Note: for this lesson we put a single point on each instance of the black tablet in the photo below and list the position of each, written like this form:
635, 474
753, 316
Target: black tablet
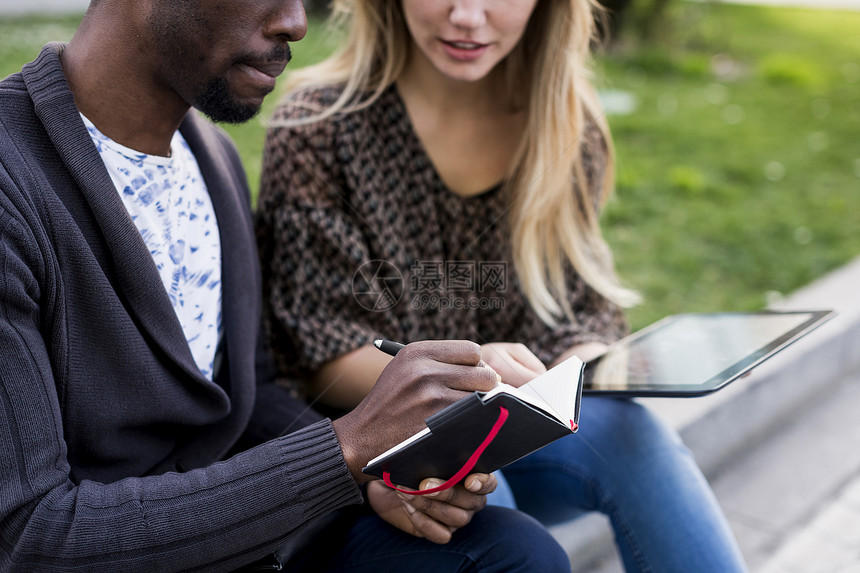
695, 354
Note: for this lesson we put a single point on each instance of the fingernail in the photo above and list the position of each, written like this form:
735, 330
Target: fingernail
430, 484
407, 507
498, 376
474, 485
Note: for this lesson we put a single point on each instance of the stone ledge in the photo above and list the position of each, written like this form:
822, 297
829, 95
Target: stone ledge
721, 426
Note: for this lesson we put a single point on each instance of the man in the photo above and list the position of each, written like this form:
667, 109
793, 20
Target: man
141, 427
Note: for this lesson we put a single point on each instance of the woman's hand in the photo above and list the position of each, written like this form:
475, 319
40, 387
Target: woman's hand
514, 362
585, 352
435, 516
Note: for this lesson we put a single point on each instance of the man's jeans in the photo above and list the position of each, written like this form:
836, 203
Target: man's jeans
497, 540
623, 462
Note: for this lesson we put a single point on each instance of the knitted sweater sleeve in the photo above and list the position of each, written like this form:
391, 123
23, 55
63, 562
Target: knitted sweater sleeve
215, 518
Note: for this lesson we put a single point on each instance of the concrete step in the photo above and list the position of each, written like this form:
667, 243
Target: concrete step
789, 500
828, 544
723, 428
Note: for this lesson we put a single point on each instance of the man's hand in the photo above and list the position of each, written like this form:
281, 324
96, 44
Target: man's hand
422, 379
435, 516
514, 362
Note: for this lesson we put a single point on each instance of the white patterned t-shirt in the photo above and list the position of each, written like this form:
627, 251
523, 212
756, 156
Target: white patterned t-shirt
169, 203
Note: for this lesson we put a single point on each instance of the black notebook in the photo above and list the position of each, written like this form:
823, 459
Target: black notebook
488, 429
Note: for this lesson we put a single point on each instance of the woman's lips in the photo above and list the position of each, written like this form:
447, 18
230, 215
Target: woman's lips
464, 50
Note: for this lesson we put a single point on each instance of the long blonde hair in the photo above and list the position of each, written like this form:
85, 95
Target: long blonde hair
549, 225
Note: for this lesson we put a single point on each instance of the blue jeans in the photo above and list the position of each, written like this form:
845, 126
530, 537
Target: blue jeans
627, 464
497, 540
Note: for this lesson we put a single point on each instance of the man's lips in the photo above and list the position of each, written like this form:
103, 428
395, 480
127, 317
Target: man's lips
264, 73
272, 69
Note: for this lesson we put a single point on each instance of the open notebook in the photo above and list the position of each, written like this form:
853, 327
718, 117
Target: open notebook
487, 430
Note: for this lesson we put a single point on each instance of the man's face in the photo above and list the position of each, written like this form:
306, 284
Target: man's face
223, 56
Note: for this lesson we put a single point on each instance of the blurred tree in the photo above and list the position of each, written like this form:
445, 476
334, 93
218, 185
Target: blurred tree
613, 22
652, 19
642, 21
317, 7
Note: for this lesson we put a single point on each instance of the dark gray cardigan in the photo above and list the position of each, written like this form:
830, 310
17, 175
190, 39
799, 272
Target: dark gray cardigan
109, 434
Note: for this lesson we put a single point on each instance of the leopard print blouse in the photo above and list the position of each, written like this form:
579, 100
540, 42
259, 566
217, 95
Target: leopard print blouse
360, 239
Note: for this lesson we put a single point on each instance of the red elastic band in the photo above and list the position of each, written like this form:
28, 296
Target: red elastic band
467, 467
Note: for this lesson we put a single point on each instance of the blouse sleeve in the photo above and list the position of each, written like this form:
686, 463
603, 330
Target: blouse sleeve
595, 319
312, 244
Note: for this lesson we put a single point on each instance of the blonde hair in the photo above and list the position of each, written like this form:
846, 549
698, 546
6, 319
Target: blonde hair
550, 226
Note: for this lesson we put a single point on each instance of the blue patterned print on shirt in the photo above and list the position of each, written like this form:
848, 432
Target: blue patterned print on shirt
169, 204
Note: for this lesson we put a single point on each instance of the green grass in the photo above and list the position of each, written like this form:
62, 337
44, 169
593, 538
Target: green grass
738, 173
22, 38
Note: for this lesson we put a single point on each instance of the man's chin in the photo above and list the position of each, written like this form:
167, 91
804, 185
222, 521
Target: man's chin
220, 106
232, 115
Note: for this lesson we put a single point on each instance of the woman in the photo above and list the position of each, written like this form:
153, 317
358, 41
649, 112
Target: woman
441, 177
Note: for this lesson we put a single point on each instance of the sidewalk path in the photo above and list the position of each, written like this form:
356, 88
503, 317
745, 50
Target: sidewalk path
13, 7
820, 4
829, 544
68, 6
793, 501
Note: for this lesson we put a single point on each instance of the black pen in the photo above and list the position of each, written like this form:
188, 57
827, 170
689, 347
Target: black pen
388, 346
392, 348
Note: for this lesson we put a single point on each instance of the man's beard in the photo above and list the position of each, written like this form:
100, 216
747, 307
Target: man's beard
218, 105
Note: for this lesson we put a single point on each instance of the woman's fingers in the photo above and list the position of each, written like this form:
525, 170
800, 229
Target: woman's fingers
513, 361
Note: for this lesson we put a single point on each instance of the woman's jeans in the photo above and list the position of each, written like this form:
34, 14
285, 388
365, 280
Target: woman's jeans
627, 464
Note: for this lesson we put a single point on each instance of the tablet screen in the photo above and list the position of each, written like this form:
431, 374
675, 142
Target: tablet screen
693, 354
